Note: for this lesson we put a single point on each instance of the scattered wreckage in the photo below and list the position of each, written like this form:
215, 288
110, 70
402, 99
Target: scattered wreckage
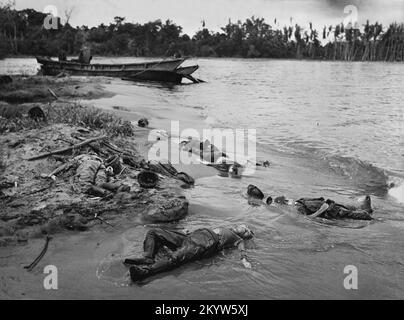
62, 176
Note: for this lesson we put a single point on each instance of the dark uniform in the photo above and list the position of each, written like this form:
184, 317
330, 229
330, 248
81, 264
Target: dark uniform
199, 244
309, 206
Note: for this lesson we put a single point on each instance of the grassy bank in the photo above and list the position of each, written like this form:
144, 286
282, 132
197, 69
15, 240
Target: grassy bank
71, 114
25, 89
59, 100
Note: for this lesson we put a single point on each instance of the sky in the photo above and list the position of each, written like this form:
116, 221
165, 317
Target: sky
216, 13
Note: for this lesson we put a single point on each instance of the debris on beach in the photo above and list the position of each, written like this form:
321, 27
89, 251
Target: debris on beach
265, 164
47, 185
147, 179
40, 256
143, 123
78, 169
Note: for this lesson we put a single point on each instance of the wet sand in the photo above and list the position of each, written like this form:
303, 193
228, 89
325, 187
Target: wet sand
76, 256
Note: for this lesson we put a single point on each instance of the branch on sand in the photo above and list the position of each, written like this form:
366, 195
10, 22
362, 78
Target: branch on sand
41, 255
76, 146
53, 93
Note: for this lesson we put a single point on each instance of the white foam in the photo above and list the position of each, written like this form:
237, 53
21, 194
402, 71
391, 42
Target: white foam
397, 191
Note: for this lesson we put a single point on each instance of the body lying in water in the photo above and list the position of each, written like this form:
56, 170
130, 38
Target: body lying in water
186, 247
316, 207
329, 209
210, 155
205, 150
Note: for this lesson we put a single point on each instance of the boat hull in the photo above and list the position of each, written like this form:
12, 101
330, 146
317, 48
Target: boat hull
187, 71
162, 71
155, 75
52, 67
175, 76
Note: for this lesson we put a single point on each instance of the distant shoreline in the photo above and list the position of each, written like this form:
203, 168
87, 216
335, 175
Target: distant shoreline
211, 57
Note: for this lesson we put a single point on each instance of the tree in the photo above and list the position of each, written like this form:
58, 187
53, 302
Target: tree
68, 14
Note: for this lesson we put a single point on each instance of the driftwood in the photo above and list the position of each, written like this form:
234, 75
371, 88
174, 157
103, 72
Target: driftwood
112, 147
98, 150
63, 167
41, 255
39, 190
102, 220
76, 146
53, 93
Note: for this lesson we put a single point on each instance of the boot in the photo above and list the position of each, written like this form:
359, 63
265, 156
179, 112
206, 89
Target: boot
137, 273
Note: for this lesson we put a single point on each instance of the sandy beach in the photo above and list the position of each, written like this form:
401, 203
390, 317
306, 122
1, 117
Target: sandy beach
21, 240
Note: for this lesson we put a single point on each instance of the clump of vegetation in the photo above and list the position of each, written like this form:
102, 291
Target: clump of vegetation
72, 114
25, 89
92, 118
24, 95
18, 124
30, 89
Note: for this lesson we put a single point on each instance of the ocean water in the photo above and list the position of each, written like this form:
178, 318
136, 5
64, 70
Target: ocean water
331, 129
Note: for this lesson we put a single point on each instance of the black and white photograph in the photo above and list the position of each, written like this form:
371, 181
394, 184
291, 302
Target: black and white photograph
201, 154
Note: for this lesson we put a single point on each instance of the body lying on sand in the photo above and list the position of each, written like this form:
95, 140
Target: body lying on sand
186, 247
315, 207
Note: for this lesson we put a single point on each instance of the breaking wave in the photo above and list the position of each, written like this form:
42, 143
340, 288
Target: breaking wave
363, 174
368, 177
396, 189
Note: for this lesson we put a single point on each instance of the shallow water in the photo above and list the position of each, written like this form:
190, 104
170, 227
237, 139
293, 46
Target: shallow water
331, 129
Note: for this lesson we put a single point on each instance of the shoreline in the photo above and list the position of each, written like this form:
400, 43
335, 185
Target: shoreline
34, 206
220, 57
68, 123
89, 263
101, 240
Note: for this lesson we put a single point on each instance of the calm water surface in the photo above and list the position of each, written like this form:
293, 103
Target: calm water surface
331, 129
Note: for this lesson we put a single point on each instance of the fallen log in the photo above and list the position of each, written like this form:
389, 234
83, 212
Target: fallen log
76, 146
